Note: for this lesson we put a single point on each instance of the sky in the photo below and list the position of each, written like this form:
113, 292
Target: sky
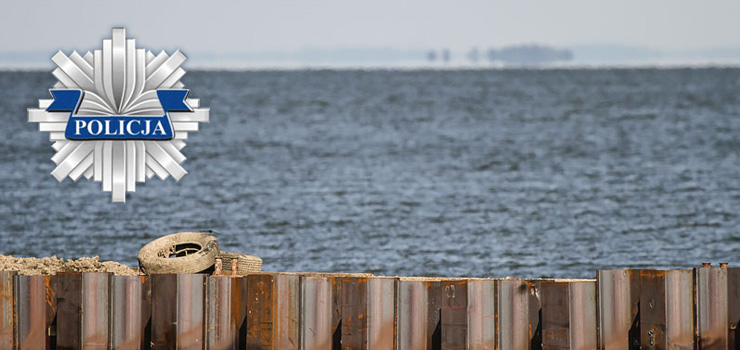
278, 25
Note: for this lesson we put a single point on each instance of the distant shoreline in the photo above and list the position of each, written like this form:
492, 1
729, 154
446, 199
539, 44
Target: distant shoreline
425, 67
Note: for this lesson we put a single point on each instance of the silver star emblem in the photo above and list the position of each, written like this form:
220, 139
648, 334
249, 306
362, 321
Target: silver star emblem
123, 82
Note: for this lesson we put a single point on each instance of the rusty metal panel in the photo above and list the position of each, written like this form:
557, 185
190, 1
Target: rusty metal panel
455, 315
535, 314
381, 324
555, 315
220, 332
733, 307
69, 310
163, 312
287, 332
418, 314
273, 311
260, 312
582, 309
368, 312
354, 313
225, 311
177, 311
146, 311
321, 313
412, 315
513, 324
321, 309
82, 310
711, 308
666, 309
35, 300
6, 309
190, 311
618, 299
481, 315
679, 310
95, 306
126, 312
569, 314
434, 321
318, 311
239, 292
652, 309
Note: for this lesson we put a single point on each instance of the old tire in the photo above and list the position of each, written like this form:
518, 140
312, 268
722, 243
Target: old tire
184, 252
247, 263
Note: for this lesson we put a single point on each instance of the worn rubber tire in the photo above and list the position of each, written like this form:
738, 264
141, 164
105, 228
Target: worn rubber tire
247, 263
200, 249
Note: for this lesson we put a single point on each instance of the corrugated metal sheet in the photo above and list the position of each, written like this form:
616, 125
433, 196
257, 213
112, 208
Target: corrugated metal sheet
622, 309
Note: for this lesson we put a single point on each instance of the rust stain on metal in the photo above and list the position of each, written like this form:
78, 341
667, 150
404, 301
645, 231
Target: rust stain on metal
666, 310
287, 306
94, 310
455, 314
381, 312
618, 298
481, 309
513, 327
126, 312
679, 310
33, 295
273, 311
319, 312
354, 313
368, 312
412, 315
218, 269
6, 309
239, 291
69, 310
260, 308
569, 314
555, 315
177, 311
518, 323
418, 315
711, 292
163, 311
733, 306
582, 309
225, 312
190, 311
652, 310
146, 312
535, 314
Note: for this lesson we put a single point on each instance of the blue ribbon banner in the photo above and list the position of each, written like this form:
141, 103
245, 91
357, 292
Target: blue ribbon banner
118, 127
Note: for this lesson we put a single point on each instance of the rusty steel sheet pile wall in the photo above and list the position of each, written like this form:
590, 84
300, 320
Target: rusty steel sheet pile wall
568, 315
130, 312
6, 309
620, 310
717, 307
518, 314
619, 302
226, 312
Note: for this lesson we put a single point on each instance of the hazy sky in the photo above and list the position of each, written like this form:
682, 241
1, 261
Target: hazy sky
224, 26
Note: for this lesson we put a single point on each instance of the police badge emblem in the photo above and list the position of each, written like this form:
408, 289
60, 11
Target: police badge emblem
119, 115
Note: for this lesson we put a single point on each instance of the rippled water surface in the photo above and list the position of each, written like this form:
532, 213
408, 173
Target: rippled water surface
469, 173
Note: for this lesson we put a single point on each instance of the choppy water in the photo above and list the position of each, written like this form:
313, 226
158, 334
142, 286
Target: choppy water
474, 173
